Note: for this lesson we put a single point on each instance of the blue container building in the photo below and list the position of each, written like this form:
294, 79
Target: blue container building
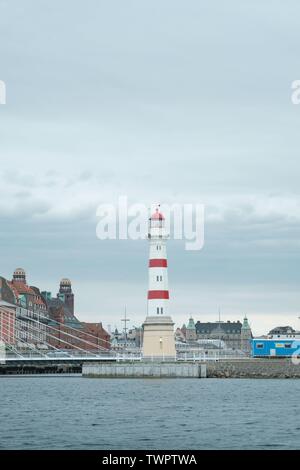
272, 347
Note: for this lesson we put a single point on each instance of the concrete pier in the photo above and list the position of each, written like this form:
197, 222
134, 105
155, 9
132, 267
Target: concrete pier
144, 370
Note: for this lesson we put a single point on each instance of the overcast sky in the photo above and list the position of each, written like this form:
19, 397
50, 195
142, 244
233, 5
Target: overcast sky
163, 101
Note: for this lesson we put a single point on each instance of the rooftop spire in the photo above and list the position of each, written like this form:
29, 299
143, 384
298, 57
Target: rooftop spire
245, 325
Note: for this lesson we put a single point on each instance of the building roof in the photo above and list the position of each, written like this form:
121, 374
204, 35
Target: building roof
19, 272
157, 215
3, 303
13, 289
65, 282
213, 327
191, 324
246, 325
282, 330
56, 305
21, 288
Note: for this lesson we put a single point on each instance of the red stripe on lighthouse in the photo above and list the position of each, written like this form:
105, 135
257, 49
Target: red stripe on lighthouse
158, 263
158, 294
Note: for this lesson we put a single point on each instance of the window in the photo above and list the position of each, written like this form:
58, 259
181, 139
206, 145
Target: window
161, 310
288, 345
157, 310
161, 278
157, 278
260, 345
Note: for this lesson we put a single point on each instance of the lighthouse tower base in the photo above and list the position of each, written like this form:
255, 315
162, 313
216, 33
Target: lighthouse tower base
158, 340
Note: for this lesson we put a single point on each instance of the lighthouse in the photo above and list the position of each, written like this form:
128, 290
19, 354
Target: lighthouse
158, 293
158, 337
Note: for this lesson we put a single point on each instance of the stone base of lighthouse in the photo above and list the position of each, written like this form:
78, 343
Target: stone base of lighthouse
158, 338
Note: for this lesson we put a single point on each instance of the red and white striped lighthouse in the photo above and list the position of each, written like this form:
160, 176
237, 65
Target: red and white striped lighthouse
158, 293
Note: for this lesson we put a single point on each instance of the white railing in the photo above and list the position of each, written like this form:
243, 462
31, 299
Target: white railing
59, 355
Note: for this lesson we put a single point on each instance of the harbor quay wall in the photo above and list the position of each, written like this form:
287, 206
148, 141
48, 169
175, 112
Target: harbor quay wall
224, 368
253, 368
144, 370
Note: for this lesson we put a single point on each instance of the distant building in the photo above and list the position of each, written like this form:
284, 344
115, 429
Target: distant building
133, 339
65, 331
190, 332
246, 337
66, 295
7, 323
282, 330
46, 322
179, 336
95, 335
63, 326
135, 335
229, 332
31, 309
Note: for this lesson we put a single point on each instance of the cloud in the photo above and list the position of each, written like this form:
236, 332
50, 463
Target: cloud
184, 105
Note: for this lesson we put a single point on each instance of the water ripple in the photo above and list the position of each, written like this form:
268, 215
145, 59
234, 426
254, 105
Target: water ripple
77, 413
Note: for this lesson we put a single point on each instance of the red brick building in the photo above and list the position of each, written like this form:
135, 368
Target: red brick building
99, 337
45, 322
7, 325
65, 331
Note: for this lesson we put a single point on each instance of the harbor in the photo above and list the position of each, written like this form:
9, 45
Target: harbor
247, 368
51, 340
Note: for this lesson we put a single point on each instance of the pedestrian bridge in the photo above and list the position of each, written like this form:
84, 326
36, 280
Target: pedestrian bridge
68, 358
